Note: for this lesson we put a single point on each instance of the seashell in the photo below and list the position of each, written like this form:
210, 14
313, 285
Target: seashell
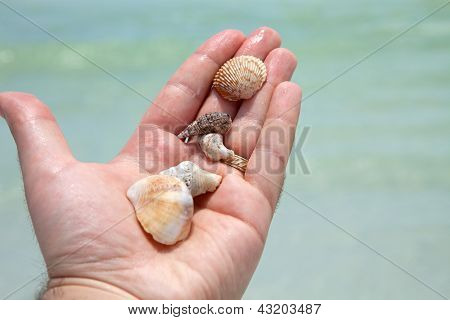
240, 78
196, 179
213, 148
237, 162
164, 207
214, 122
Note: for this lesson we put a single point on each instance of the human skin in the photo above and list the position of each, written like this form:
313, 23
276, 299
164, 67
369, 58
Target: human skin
92, 243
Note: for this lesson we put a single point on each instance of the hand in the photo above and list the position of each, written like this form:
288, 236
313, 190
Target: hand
90, 238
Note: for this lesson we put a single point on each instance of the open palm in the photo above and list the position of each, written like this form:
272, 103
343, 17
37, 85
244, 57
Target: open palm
91, 240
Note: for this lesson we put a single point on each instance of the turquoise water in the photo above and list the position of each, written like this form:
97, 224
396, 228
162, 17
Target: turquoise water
378, 150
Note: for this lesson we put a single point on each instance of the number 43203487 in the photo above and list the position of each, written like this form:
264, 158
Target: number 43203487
292, 308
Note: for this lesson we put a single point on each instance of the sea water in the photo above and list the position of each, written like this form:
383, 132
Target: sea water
369, 219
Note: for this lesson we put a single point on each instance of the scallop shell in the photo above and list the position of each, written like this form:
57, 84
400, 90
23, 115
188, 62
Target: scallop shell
240, 78
212, 146
164, 207
196, 179
214, 122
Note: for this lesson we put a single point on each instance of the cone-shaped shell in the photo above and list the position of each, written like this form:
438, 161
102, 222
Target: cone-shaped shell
214, 122
196, 179
164, 207
240, 78
212, 146
237, 162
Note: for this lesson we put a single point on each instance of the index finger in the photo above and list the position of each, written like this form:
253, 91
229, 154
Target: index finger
179, 101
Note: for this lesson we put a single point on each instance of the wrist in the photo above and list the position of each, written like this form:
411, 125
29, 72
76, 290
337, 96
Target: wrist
83, 289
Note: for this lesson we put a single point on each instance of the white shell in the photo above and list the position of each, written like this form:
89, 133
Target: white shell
212, 146
164, 207
197, 180
240, 78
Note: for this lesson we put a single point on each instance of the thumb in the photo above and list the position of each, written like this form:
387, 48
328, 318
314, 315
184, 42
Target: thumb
40, 142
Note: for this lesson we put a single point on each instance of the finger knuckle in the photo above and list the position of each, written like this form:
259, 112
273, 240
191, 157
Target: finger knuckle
289, 86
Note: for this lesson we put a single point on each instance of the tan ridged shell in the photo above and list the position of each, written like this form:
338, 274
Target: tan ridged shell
237, 162
197, 180
164, 207
214, 122
240, 78
212, 146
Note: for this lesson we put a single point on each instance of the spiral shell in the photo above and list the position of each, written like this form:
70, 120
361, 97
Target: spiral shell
164, 207
214, 122
237, 162
196, 179
240, 78
212, 146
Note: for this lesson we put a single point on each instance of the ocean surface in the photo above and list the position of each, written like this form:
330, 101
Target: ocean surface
372, 218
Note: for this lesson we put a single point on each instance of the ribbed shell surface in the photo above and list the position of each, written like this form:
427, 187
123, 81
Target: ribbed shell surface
164, 207
240, 78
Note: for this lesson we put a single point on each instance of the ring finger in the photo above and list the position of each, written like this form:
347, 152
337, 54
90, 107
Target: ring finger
250, 117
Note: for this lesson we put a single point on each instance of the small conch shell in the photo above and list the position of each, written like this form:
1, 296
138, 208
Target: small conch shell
164, 207
196, 179
240, 78
214, 122
213, 148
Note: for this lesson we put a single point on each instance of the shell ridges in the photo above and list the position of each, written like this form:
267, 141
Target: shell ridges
197, 180
164, 207
240, 78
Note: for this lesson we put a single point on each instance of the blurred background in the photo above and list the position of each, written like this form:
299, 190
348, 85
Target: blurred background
378, 149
